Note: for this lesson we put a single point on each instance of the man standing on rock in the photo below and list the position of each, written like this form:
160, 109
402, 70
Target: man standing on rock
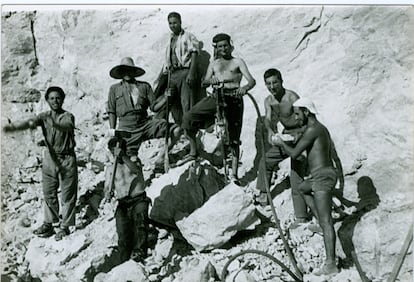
317, 189
224, 68
128, 102
59, 163
180, 61
279, 114
132, 210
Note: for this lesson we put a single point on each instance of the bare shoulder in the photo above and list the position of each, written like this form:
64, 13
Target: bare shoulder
67, 114
239, 61
313, 130
290, 96
268, 100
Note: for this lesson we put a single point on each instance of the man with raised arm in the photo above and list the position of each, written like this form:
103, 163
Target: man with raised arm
224, 68
317, 189
59, 167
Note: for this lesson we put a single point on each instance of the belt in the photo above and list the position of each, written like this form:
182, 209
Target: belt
174, 68
231, 93
127, 201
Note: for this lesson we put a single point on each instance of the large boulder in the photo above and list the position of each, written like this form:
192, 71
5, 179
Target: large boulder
183, 190
224, 214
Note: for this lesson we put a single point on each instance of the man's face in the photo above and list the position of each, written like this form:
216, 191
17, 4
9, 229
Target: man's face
128, 77
274, 85
175, 25
55, 101
300, 116
223, 48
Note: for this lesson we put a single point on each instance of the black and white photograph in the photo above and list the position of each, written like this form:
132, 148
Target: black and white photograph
180, 142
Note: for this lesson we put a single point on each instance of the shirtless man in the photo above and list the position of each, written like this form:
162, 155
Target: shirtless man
279, 113
224, 68
318, 188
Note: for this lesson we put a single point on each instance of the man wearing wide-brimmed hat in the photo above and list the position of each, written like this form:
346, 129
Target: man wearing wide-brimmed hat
128, 102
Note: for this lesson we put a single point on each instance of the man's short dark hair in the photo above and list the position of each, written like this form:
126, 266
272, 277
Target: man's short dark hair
220, 37
272, 72
174, 15
55, 89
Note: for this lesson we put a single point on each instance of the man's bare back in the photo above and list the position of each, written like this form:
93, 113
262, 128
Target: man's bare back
319, 152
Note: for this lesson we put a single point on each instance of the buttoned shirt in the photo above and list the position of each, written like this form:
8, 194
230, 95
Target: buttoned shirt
121, 103
60, 141
185, 44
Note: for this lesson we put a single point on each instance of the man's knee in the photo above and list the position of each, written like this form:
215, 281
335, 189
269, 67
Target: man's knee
175, 131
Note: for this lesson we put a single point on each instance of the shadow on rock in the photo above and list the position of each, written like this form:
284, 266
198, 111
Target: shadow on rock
369, 200
195, 186
88, 205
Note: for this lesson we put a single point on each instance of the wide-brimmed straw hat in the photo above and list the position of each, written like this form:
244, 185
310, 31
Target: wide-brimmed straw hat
305, 102
127, 66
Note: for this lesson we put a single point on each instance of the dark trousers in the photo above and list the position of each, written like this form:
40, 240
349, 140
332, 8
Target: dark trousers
132, 227
298, 170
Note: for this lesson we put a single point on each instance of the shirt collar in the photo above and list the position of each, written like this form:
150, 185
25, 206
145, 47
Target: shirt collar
181, 33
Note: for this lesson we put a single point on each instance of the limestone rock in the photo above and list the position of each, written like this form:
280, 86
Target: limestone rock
225, 213
197, 270
128, 271
46, 256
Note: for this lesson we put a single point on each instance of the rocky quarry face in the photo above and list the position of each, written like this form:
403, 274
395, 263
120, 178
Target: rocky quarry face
355, 63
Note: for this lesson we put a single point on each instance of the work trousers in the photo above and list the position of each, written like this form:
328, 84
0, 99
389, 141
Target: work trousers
183, 96
132, 226
67, 178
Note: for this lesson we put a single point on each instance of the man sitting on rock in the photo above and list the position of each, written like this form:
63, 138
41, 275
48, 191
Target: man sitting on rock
224, 68
279, 113
317, 188
59, 163
128, 102
132, 211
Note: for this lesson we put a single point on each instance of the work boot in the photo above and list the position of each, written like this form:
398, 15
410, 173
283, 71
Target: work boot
138, 256
44, 231
62, 232
235, 180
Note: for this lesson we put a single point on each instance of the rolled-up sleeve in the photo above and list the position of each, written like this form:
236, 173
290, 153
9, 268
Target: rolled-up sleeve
66, 122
